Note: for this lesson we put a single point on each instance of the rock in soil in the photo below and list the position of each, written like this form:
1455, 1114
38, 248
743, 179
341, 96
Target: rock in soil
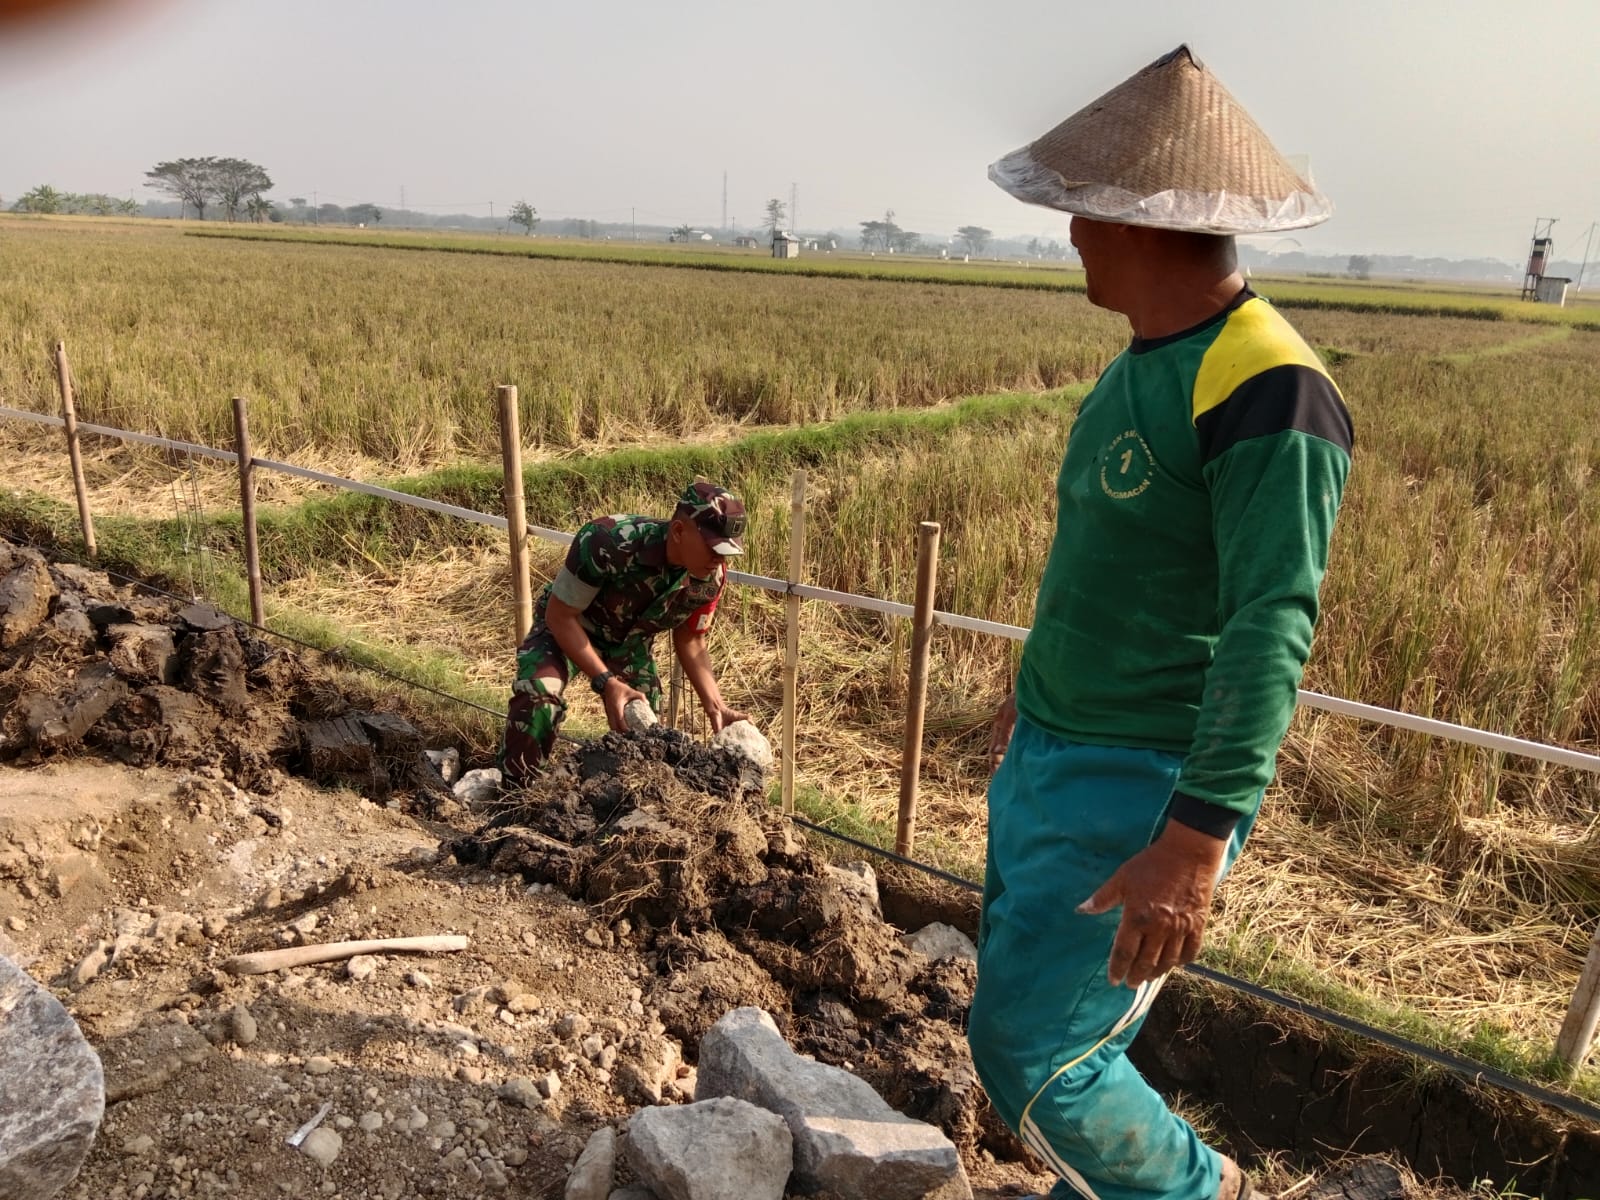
591, 1176
722, 1149
847, 1140
52, 1092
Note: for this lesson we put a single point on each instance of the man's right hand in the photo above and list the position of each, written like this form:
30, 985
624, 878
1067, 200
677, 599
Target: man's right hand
615, 698
1005, 720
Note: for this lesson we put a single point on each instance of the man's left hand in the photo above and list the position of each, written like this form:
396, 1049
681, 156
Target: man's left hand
722, 717
1165, 895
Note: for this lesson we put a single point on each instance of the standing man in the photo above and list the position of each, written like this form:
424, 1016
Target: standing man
625, 579
1195, 504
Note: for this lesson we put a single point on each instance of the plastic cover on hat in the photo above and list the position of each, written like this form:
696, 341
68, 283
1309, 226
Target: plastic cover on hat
1201, 212
1170, 148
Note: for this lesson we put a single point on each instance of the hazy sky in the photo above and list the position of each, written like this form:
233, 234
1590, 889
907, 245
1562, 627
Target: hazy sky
1437, 126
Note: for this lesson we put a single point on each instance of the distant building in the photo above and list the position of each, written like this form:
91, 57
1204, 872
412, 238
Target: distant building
745, 242
1552, 289
785, 245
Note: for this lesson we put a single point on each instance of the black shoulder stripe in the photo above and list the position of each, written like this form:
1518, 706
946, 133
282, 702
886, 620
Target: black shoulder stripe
1277, 400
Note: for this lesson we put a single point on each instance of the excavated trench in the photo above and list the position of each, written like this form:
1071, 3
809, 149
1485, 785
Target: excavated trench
732, 905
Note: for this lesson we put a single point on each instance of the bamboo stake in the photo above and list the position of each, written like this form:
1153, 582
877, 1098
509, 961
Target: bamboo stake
1583, 1017
247, 507
69, 413
791, 644
516, 514
917, 685
674, 692
300, 956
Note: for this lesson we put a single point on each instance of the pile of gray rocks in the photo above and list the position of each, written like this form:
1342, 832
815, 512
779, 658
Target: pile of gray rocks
766, 1121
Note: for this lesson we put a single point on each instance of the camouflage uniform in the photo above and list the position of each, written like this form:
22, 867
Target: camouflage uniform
617, 574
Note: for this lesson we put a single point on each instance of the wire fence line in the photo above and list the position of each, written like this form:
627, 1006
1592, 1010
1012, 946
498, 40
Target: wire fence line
1446, 730
1583, 1016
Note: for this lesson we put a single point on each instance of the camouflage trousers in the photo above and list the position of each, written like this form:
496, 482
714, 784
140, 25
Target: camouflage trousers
538, 705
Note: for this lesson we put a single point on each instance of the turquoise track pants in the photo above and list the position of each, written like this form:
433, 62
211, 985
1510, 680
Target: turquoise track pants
1049, 1034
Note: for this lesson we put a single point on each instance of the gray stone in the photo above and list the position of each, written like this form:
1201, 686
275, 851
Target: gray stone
52, 1090
742, 737
638, 716
362, 967
519, 1089
240, 1025
322, 1145
477, 787
846, 1138
591, 1175
940, 941
859, 881
447, 762
90, 965
723, 1149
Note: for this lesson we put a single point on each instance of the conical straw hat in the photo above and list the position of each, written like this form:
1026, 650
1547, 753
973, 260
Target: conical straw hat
1169, 148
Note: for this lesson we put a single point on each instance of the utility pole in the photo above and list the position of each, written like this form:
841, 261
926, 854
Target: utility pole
724, 199
794, 207
633, 220
1588, 239
491, 210
315, 219
402, 201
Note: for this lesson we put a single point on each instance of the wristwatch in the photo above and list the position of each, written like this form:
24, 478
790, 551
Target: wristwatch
598, 683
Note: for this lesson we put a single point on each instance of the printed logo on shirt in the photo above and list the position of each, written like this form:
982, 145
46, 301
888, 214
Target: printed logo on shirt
1126, 467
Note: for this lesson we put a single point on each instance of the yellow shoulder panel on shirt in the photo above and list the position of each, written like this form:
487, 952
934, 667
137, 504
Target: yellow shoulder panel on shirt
1254, 339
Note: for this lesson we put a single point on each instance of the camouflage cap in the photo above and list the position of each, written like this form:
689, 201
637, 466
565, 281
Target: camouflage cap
718, 513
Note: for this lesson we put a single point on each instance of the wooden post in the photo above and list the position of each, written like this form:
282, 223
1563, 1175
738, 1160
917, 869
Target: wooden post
247, 507
1583, 1016
674, 692
791, 643
516, 514
917, 685
69, 413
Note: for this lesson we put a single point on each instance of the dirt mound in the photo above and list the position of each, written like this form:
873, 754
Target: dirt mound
678, 840
152, 681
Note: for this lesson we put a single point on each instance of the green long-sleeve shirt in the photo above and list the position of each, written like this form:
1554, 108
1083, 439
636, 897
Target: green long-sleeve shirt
1196, 499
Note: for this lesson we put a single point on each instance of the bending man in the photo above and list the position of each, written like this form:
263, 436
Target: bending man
625, 579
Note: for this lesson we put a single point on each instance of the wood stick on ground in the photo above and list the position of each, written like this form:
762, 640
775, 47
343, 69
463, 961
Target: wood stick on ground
299, 956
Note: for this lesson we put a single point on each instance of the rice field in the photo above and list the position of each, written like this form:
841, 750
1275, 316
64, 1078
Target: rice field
1438, 880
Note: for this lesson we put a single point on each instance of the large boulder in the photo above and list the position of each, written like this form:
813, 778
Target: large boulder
52, 1090
721, 1149
847, 1140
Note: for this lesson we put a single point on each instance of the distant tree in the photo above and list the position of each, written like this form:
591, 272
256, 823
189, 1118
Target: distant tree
1359, 267
903, 241
190, 181
526, 215
330, 214
128, 207
882, 235
258, 208
974, 237
42, 199
363, 214
1034, 248
234, 180
777, 212
681, 234
297, 201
